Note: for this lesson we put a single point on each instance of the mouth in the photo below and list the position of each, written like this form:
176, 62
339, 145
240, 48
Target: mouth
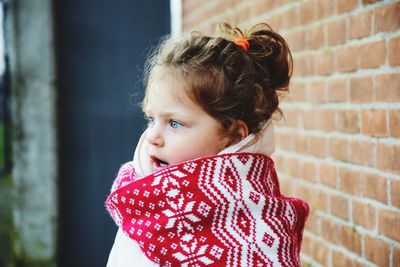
158, 163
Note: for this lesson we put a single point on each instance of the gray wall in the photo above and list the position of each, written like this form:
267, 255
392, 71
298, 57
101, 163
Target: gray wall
34, 147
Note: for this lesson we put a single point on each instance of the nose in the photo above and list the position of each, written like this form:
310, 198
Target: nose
154, 136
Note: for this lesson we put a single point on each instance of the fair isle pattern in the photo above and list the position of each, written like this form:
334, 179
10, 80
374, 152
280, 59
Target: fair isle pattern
224, 210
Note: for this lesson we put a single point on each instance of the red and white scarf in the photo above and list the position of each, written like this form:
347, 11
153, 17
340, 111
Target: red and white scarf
223, 210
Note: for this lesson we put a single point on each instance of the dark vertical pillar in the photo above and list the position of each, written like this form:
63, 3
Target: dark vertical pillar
101, 49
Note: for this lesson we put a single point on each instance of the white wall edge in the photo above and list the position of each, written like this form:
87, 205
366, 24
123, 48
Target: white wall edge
176, 17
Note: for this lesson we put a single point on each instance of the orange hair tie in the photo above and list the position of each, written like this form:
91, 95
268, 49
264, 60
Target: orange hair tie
243, 43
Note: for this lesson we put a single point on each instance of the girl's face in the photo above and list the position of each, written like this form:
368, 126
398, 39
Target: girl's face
178, 129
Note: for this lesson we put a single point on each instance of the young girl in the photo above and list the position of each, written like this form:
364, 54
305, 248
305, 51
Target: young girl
202, 189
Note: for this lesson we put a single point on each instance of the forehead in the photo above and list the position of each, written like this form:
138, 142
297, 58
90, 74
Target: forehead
164, 82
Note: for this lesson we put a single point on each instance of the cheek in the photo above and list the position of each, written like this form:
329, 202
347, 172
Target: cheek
205, 148
195, 143
184, 153
190, 151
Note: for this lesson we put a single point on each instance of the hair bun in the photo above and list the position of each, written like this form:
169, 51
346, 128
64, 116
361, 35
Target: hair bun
234, 75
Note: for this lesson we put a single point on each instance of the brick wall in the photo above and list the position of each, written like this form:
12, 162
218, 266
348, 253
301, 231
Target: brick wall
339, 145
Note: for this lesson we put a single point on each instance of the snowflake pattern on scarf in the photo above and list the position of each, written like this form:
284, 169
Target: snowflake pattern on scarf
223, 210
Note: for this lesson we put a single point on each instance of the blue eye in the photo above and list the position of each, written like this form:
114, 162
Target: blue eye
175, 124
150, 121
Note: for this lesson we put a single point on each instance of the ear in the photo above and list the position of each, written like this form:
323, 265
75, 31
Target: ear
243, 130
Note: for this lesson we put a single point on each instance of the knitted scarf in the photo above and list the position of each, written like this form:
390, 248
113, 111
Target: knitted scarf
222, 210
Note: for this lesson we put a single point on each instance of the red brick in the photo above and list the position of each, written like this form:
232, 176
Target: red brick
394, 122
364, 215
317, 146
336, 32
318, 199
363, 152
394, 51
297, 92
291, 19
309, 119
303, 192
315, 36
387, 18
326, 120
340, 260
389, 224
339, 149
394, 192
307, 12
347, 58
288, 187
388, 157
312, 223
327, 174
284, 141
337, 90
351, 239
331, 231
244, 14
360, 25
351, 182
221, 6
189, 7
300, 143
275, 21
325, 8
396, 256
375, 187
316, 250
199, 15
361, 89
307, 245
296, 40
294, 167
324, 61
345, 5
316, 92
374, 122
340, 206
367, 2
372, 55
387, 87
321, 253
259, 7
310, 171
304, 65
347, 121
360, 264
376, 251
308, 65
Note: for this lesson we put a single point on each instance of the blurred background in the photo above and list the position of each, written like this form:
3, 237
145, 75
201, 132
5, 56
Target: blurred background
72, 81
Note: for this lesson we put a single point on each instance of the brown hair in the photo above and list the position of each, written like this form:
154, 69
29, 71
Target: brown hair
229, 83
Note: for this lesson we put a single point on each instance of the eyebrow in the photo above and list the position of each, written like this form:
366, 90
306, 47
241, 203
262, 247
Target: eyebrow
167, 113
170, 114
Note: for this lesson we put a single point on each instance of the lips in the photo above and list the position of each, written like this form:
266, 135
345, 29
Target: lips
158, 163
